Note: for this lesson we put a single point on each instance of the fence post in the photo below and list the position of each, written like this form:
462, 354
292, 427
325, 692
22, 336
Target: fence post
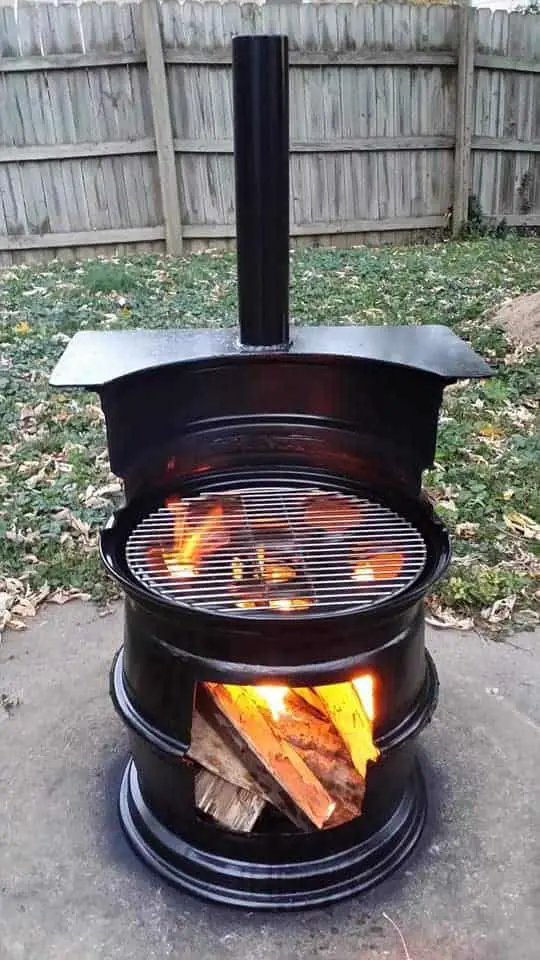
161, 115
464, 117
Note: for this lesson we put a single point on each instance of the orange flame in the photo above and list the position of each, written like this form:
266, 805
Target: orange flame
288, 604
364, 687
378, 566
274, 697
188, 551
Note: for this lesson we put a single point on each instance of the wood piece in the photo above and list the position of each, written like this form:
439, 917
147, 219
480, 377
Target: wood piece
308, 694
351, 721
81, 238
209, 231
317, 741
162, 127
491, 61
213, 752
413, 58
285, 767
464, 119
506, 144
232, 806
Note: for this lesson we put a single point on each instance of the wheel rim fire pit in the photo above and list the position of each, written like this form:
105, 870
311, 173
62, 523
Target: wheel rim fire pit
275, 549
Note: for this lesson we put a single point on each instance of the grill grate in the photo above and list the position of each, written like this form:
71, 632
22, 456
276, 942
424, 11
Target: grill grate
275, 550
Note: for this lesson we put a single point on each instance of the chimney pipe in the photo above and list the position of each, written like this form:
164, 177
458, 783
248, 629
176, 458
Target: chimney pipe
261, 155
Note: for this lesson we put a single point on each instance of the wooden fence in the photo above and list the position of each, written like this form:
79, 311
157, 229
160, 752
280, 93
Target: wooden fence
116, 121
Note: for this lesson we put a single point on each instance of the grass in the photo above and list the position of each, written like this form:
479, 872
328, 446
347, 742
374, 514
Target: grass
55, 487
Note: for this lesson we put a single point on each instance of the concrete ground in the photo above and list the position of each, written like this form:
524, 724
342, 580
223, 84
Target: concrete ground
71, 889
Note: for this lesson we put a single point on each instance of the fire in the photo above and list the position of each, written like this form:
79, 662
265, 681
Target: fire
274, 697
364, 687
189, 549
289, 604
378, 566
273, 572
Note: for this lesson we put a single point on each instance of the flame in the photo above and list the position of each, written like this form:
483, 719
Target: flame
274, 697
378, 566
188, 551
278, 572
237, 568
365, 689
287, 604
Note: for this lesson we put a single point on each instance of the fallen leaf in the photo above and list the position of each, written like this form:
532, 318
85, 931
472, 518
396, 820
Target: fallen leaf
499, 611
490, 431
443, 619
22, 327
467, 530
64, 595
525, 526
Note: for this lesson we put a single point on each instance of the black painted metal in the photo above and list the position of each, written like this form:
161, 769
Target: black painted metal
310, 872
301, 649
369, 409
275, 866
261, 159
168, 649
95, 358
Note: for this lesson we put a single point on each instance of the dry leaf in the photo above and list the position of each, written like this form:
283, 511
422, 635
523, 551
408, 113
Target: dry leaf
501, 610
22, 327
64, 595
442, 618
525, 526
467, 530
490, 431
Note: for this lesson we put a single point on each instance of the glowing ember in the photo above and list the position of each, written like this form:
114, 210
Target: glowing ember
278, 573
332, 513
189, 549
364, 687
237, 568
287, 604
378, 566
274, 697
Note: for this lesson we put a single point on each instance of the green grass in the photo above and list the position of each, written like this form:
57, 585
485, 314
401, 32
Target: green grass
55, 487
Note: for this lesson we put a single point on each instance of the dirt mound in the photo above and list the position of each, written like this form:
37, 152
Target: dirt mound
521, 319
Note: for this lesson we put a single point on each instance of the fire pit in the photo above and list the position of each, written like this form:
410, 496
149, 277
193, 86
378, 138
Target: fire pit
275, 549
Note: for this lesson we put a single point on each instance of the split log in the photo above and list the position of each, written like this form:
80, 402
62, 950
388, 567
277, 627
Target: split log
308, 694
231, 806
347, 713
283, 766
213, 752
318, 743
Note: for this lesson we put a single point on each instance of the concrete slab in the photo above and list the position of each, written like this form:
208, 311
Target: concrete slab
71, 889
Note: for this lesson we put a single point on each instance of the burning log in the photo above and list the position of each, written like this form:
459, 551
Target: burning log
349, 716
285, 776
320, 746
308, 694
332, 513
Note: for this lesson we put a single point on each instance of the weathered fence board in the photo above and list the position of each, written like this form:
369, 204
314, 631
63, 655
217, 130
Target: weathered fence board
380, 144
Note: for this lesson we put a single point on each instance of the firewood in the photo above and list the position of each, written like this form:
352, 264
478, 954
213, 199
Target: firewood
280, 760
347, 713
320, 746
231, 806
308, 694
213, 752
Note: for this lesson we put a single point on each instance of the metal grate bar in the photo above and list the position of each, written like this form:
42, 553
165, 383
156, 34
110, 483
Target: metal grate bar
260, 550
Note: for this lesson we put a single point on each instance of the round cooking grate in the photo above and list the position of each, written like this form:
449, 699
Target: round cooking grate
275, 550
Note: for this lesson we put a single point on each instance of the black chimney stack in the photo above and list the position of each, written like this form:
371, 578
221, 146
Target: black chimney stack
261, 153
